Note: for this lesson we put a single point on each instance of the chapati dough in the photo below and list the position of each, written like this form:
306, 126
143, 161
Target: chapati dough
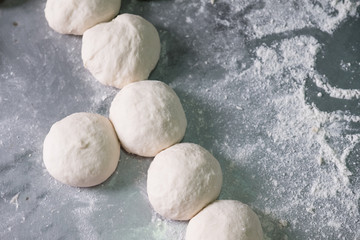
225, 220
148, 117
182, 180
76, 16
122, 51
81, 150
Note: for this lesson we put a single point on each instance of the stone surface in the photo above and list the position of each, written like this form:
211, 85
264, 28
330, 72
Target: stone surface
245, 72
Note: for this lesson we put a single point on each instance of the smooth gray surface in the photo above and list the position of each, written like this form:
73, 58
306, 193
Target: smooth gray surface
209, 56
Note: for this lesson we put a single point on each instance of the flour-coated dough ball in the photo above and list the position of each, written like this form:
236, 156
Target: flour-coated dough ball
225, 220
81, 150
148, 117
76, 16
122, 51
182, 180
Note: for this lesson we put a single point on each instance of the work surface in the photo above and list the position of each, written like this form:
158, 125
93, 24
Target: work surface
270, 87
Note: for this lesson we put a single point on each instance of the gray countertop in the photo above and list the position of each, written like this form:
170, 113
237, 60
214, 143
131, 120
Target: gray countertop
270, 87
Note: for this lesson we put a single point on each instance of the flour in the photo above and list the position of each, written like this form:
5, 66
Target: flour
311, 130
82, 215
335, 92
278, 16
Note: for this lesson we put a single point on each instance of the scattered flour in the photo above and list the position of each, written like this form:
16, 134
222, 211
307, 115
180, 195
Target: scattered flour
279, 16
302, 125
335, 92
90, 204
297, 131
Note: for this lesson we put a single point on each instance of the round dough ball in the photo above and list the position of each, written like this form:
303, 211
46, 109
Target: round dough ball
122, 51
81, 150
76, 16
148, 117
182, 180
227, 220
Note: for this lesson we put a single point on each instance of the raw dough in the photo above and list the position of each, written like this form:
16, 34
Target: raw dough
76, 16
122, 51
148, 117
225, 220
81, 150
182, 180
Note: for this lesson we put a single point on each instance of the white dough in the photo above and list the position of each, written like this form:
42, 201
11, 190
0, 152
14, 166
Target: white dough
76, 16
225, 220
182, 180
148, 117
81, 150
122, 51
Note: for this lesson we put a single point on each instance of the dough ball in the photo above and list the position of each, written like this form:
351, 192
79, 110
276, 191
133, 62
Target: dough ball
122, 51
81, 150
76, 16
226, 220
148, 117
182, 180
